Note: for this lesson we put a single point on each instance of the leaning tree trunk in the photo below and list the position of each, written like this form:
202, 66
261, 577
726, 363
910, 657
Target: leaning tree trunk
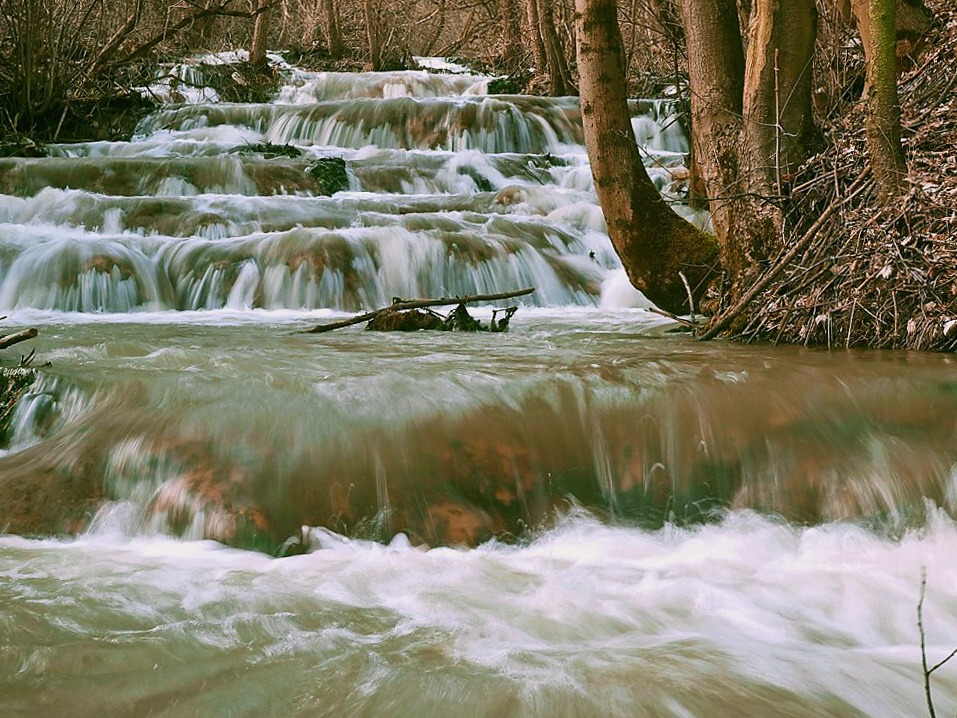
876, 22
655, 245
257, 46
333, 28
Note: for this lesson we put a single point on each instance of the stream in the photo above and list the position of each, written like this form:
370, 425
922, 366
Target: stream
590, 515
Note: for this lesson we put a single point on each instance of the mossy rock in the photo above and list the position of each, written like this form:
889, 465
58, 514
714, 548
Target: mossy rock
13, 384
330, 175
268, 150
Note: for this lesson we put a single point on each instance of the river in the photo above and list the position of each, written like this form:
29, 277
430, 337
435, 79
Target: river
590, 515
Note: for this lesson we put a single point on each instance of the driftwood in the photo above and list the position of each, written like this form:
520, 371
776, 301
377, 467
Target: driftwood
403, 304
10, 339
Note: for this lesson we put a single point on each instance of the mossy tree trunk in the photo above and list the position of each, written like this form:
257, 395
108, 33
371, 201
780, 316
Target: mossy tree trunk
876, 23
655, 244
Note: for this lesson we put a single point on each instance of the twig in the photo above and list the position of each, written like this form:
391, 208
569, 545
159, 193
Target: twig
684, 280
923, 645
722, 321
675, 317
403, 304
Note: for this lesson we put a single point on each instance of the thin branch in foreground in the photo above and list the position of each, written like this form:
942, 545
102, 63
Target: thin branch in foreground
923, 645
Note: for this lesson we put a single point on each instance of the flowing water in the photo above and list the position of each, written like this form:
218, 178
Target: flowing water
587, 516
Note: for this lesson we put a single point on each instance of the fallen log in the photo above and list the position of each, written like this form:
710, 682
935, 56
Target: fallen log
10, 339
403, 304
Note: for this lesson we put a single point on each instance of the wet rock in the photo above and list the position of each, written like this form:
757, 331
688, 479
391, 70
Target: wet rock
13, 384
330, 175
410, 321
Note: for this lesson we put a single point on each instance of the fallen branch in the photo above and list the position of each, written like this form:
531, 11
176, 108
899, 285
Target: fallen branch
403, 304
10, 339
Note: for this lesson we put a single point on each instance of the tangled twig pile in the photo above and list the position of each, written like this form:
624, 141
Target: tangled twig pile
867, 277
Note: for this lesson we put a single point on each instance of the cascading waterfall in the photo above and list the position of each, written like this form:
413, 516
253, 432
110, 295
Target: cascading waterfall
663, 528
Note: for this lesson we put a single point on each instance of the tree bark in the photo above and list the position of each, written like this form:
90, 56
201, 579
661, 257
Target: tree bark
333, 28
257, 46
559, 75
535, 28
512, 49
655, 244
876, 23
777, 85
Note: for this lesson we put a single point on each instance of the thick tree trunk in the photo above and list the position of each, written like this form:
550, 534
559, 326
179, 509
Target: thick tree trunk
777, 85
716, 73
876, 22
655, 244
333, 28
257, 46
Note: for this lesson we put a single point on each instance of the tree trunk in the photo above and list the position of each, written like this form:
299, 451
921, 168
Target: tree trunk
876, 22
257, 46
777, 85
373, 32
512, 49
559, 76
333, 28
535, 28
716, 74
655, 244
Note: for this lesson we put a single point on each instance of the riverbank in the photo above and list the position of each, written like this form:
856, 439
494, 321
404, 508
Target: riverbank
871, 277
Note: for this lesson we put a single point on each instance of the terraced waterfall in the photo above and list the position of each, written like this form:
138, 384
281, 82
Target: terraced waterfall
589, 515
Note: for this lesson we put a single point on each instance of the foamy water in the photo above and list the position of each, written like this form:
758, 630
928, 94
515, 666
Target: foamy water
746, 617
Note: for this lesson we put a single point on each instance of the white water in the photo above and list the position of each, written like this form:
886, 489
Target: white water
743, 618
167, 276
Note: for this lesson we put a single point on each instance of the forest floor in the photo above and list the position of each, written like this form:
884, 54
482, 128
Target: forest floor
869, 277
